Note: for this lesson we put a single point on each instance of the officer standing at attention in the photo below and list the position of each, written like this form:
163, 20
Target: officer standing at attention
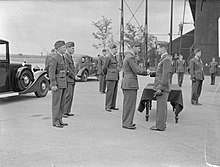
70, 78
102, 77
162, 86
197, 76
130, 86
111, 69
58, 83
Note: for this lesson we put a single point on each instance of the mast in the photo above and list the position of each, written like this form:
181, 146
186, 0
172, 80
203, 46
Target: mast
171, 28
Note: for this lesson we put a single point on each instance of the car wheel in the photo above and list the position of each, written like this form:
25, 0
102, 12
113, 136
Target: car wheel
43, 87
84, 76
25, 79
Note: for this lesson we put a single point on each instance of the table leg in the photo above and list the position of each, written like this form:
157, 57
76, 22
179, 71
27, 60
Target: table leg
147, 109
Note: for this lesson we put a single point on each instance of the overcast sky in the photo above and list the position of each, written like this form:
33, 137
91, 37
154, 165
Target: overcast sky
32, 27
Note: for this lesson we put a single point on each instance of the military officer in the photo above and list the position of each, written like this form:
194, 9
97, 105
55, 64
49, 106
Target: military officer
111, 69
180, 69
129, 85
58, 83
70, 78
102, 81
197, 76
162, 86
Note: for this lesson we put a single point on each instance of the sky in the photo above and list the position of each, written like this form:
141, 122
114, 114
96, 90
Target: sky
33, 27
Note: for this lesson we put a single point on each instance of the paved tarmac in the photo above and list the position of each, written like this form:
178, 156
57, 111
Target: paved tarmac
95, 138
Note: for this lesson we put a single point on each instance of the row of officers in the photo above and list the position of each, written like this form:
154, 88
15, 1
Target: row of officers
62, 75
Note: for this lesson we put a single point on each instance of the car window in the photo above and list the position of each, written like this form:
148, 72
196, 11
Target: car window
3, 52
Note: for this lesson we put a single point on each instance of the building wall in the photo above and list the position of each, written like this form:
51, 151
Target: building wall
206, 29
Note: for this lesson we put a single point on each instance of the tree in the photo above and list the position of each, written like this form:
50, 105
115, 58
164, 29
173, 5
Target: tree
103, 33
133, 33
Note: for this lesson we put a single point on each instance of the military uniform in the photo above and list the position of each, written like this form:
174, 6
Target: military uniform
172, 70
70, 83
102, 77
197, 77
213, 71
180, 70
162, 82
57, 74
129, 87
112, 76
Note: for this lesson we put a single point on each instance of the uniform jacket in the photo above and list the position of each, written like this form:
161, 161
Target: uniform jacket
101, 62
130, 72
213, 67
196, 69
111, 68
173, 67
71, 70
57, 71
180, 66
162, 80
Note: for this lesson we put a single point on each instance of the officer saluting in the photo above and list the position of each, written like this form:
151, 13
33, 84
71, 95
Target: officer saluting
58, 83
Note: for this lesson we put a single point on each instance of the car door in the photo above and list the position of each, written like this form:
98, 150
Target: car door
4, 68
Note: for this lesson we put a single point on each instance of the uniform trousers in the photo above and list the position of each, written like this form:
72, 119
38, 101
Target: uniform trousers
58, 105
69, 97
161, 112
111, 94
129, 106
102, 83
213, 78
196, 91
180, 76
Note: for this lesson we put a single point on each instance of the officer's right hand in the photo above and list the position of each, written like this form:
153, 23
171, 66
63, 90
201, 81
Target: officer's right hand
193, 80
54, 88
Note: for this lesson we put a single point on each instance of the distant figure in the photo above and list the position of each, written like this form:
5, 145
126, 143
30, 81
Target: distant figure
47, 60
102, 77
180, 69
197, 76
162, 86
213, 70
111, 69
172, 70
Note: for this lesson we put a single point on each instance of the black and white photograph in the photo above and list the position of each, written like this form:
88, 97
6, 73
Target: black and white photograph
110, 83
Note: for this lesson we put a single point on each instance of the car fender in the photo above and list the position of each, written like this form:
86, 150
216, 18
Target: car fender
81, 71
19, 71
34, 86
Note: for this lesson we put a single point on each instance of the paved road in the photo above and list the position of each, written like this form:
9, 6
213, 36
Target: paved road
95, 138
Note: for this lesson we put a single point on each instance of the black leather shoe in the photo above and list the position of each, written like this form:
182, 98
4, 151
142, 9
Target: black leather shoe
63, 124
129, 127
114, 108
69, 114
65, 116
58, 125
109, 110
155, 128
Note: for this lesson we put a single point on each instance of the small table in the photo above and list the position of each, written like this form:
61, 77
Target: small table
175, 98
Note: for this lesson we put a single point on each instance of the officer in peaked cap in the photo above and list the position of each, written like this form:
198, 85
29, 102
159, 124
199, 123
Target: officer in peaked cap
129, 85
71, 73
58, 83
162, 86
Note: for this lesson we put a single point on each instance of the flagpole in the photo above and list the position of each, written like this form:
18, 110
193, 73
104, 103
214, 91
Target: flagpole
171, 28
121, 49
146, 34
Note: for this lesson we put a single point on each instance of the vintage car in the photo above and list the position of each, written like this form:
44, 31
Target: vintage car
20, 78
86, 66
